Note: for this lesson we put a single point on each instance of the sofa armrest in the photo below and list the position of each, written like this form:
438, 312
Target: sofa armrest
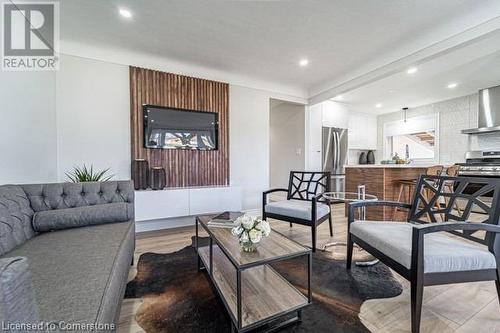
17, 296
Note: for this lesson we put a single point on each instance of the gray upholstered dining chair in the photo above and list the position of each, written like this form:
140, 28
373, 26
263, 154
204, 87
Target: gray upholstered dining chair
304, 203
438, 244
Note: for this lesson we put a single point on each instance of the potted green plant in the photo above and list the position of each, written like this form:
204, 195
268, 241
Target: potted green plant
84, 174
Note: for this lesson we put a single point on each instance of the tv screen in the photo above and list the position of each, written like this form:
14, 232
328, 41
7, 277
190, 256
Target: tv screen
170, 128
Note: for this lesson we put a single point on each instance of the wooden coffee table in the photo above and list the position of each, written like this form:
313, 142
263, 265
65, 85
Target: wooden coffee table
253, 293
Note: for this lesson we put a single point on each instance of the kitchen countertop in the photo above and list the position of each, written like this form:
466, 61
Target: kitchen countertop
415, 166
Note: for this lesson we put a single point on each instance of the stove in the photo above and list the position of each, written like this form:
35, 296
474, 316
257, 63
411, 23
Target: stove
480, 164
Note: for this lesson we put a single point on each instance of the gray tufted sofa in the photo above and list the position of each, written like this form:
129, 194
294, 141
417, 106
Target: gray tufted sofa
65, 253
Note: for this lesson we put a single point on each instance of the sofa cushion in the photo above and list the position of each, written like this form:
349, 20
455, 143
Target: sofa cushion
59, 219
15, 218
16, 292
297, 208
78, 274
70, 195
442, 253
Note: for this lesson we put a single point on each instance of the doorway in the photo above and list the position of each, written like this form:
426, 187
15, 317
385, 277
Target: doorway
287, 141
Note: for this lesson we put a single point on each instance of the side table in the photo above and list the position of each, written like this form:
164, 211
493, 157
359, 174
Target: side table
358, 196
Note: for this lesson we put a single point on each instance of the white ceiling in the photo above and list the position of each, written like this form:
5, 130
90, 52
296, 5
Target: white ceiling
266, 39
472, 67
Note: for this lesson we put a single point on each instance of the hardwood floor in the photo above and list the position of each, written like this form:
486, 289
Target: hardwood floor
470, 307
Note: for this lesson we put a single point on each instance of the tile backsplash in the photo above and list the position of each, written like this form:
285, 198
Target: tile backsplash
487, 141
454, 115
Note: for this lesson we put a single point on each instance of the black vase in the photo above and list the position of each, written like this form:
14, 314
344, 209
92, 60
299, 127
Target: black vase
140, 173
158, 178
362, 158
370, 157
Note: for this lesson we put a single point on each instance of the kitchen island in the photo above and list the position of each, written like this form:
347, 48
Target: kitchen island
381, 181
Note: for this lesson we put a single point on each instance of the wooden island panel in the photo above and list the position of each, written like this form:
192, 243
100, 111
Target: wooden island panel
373, 179
382, 182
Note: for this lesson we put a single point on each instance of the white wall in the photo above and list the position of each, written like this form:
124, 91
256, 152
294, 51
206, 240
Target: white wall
249, 141
27, 127
93, 116
287, 127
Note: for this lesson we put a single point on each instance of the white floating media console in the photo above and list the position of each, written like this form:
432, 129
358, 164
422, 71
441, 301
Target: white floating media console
172, 208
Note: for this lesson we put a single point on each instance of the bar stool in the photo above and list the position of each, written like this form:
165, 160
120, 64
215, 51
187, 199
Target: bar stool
451, 171
406, 186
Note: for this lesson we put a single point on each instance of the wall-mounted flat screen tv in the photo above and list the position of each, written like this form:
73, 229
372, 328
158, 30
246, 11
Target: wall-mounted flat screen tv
171, 128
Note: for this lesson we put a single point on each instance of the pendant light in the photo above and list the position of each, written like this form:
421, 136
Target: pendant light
405, 114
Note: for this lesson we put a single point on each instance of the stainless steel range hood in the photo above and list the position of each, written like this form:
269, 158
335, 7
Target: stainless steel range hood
489, 112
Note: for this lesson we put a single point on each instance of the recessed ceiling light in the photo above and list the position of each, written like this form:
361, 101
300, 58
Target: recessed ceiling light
303, 62
452, 85
125, 13
412, 70
339, 98
378, 105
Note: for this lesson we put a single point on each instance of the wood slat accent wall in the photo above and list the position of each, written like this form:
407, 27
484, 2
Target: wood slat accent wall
183, 167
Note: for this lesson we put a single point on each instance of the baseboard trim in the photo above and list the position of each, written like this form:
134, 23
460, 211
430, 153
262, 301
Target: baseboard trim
162, 224
253, 212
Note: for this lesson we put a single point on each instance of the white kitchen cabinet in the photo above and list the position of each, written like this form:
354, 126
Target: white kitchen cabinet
362, 131
335, 114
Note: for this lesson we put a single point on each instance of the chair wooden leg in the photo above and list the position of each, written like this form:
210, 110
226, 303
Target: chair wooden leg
350, 245
417, 293
291, 224
313, 232
400, 195
330, 223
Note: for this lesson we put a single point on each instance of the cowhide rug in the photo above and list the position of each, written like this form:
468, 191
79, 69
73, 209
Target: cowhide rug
178, 298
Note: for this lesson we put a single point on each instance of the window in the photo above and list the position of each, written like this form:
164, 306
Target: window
414, 146
416, 139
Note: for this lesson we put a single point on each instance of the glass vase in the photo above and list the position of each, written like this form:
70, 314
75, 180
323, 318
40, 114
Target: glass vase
248, 246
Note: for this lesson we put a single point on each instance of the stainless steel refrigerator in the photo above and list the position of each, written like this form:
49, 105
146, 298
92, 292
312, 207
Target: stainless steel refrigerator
334, 159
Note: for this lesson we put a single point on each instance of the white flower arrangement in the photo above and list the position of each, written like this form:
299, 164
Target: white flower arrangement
250, 230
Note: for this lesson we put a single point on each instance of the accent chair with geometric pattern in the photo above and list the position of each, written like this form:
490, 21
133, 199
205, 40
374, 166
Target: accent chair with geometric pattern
304, 203
439, 244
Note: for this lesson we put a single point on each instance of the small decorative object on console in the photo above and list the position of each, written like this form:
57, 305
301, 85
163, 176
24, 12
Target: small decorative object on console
370, 157
140, 174
158, 178
250, 230
362, 158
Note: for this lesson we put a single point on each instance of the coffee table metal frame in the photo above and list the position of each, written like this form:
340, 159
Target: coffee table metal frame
237, 321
